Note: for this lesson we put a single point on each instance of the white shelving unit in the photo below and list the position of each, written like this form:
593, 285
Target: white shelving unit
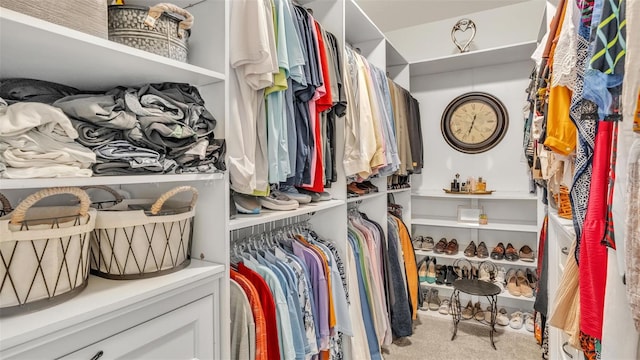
460, 255
468, 60
142, 309
503, 295
266, 216
499, 329
512, 219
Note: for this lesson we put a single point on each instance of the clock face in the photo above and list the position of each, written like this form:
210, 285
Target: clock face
474, 122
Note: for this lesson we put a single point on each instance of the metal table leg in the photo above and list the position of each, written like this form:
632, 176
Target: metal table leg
456, 311
493, 303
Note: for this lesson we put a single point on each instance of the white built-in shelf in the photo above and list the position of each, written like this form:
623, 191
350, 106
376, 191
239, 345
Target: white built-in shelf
460, 255
365, 197
504, 225
505, 294
101, 297
266, 216
6, 184
474, 59
496, 195
499, 329
394, 58
565, 224
84, 61
359, 27
395, 191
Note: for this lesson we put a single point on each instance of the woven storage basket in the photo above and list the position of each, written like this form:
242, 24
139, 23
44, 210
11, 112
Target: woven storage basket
44, 251
563, 202
88, 16
136, 239
156, 29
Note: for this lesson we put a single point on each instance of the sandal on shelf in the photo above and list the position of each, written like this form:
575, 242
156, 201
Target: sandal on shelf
417, 242
501, 318
467, 312
512, 283
434, 300
444, 307
516, 320
478, 312
523, 284
528, 322
499, 280
427, 243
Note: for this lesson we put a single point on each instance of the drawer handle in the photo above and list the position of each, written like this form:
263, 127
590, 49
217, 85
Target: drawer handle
565, 250
565, 350
98, 355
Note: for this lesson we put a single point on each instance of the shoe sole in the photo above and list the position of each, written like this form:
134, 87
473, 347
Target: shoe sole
282, 207
242, 210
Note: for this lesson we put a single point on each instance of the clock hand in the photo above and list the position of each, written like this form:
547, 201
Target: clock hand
472, 122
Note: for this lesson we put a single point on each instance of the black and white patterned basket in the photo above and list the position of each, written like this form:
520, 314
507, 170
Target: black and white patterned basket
163, 29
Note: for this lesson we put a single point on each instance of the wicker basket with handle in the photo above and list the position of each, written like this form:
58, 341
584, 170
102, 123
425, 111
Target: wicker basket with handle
140, 238
162, 29
44, 251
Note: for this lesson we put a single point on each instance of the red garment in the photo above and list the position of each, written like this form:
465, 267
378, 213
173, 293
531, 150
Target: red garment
258, 314
269, 309
324, 103
593, 254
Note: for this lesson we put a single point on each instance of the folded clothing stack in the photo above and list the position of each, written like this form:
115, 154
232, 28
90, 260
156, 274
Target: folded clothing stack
37, 140
156, 128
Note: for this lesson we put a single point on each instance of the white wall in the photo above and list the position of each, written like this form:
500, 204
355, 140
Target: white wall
503, 166
497, 27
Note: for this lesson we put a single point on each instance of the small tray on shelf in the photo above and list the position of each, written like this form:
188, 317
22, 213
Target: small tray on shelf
487, 192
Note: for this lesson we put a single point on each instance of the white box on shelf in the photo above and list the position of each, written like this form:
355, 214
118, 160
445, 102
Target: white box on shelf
469, 215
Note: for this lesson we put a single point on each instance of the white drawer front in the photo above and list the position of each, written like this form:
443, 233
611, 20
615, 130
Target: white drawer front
184, 333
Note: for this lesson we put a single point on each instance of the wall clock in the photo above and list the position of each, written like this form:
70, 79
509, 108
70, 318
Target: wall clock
474, 122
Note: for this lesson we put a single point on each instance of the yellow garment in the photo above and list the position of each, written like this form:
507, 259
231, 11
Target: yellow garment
411, 268
636, 117
566, 314
561, 132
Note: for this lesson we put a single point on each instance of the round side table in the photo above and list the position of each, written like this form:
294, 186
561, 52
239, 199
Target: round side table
477, 288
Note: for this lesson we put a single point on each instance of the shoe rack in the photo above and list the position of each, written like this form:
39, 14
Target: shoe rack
512, 219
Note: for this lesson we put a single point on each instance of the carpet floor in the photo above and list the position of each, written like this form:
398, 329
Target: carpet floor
432, 340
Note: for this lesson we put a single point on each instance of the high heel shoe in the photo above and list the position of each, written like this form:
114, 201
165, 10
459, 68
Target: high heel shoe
431, 271
451, 276
441, 274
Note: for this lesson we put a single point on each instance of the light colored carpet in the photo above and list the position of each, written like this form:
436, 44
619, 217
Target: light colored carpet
432, 340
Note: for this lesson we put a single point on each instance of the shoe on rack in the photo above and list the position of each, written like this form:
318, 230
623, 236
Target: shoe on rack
246, 204
512, 283
482, 252
478, 312
498, 252
487, 315
523, 284
501, 318
431, 271
528, 322
441, 274
315, 196
452, 247
470, 251
444, 307
526, 254
294, 194
425, 293
499, 280
363, 187
510, 253
516, 320
354, 189
451, 276
483, 274
278, 201
427, 243
417, 242
369, 185
324, 196
434, 300
440, 247
422, 270
533, 279
467, 312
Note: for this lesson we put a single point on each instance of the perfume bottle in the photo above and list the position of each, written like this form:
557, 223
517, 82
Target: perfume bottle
481, 186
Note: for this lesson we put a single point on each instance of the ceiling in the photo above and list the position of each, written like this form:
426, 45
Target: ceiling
391, 15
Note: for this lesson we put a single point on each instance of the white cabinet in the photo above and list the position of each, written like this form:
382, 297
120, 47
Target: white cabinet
173, 316
37, 49
512, 218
